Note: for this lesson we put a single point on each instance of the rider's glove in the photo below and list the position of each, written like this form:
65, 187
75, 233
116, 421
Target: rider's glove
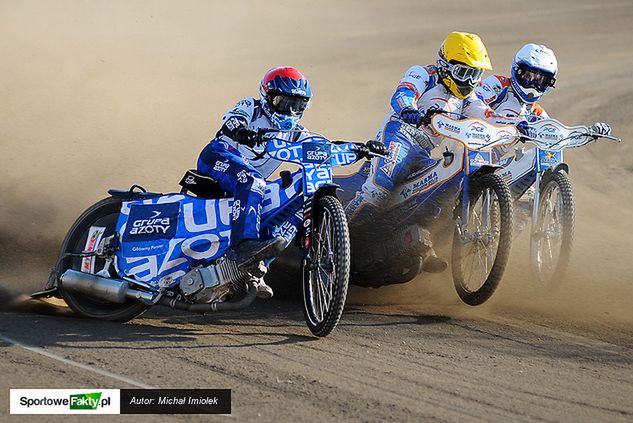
428, 115
247, 136
377, 148
412, 116
524, 128
601, 128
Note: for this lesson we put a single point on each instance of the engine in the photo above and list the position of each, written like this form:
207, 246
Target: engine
213, 283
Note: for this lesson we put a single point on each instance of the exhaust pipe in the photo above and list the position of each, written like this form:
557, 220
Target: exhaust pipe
210, 307
109, 289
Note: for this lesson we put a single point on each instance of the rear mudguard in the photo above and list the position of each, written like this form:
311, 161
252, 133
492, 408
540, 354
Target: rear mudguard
132, 193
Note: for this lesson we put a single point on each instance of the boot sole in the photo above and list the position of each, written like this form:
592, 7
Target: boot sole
270, 251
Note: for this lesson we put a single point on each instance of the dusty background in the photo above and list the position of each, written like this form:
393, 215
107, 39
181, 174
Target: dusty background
105, 94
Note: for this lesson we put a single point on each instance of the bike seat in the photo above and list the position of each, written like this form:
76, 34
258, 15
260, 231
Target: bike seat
201, 185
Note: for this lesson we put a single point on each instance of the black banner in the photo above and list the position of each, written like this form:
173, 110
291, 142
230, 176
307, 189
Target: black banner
175, 401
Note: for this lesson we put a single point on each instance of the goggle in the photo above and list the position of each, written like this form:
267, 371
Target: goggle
464, 73
535, 78
289, 105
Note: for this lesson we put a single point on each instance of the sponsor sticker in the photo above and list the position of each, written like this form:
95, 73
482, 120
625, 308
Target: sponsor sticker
476, 159
242, 177
221, 166
148, 222
94, 238
314, 152
394, 150
549, 158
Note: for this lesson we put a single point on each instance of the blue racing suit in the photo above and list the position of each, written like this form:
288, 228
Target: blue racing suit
241, 170
420, 88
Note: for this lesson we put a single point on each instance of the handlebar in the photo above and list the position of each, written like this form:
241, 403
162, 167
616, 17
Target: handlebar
362, 150
590, 137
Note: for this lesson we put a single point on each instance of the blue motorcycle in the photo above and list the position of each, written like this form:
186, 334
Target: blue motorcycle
549, 205
459, 194
135, 249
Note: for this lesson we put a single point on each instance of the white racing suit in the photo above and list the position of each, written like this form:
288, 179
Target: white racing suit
497, 93
241, 170
421, 88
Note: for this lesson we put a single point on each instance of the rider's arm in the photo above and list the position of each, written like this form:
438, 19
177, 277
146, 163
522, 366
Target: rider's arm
410, 88
475, 107
238, 117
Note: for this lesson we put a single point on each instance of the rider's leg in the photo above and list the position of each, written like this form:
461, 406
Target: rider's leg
376, 190
236, 176
405, 156
420, 159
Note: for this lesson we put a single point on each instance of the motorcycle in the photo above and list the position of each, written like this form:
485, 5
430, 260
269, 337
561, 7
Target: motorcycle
462, 190
136, 249
551, 210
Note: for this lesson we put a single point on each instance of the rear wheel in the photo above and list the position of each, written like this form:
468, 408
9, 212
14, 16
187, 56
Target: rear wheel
481, 250
552, 237
326, 272
99, 218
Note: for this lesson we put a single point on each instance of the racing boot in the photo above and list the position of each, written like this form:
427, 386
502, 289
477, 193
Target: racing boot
248, 253
263, 290
431, 263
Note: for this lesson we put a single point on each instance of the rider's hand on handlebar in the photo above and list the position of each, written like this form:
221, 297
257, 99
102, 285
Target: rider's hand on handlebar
524, 129
412, 116
377, 148
601, 128
247, 136
428, 115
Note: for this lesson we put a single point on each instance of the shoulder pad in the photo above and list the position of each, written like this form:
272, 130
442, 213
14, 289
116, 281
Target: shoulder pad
430, 69
537, 109
505, 82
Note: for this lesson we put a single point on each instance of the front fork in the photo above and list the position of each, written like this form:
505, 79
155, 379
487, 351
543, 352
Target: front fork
462, 222
307, 233
537, 200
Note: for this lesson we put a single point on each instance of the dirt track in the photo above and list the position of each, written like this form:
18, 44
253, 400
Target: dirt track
113, 93
381, 364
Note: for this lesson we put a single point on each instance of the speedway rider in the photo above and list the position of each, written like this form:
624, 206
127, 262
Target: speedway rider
235, 159
533, 74
446, 86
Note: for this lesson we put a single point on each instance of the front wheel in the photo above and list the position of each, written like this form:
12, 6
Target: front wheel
98, 222
552, 236
326, 269
482, 247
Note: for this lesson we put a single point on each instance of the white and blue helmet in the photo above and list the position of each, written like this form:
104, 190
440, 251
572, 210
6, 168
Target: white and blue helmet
534, 70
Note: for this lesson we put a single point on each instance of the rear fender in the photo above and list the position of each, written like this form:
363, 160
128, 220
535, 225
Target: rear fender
132, 193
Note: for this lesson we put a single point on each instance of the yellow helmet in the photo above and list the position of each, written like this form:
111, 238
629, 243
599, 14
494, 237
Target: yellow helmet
461, 62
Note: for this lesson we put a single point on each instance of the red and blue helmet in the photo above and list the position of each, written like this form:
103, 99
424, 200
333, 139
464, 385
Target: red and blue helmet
286, 91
